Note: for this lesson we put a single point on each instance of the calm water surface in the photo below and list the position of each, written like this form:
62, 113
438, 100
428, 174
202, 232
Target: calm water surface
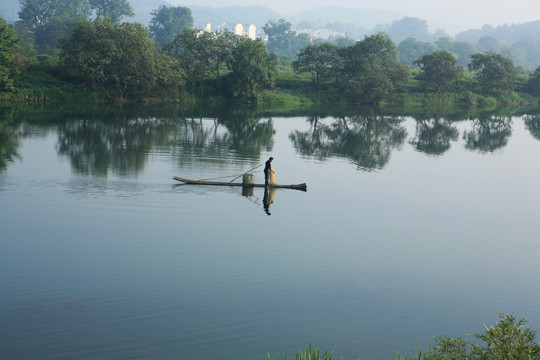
411, 227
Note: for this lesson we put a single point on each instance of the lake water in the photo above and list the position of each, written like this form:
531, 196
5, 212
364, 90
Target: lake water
412, 226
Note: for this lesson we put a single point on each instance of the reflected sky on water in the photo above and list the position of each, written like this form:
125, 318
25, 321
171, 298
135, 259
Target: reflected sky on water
412, 226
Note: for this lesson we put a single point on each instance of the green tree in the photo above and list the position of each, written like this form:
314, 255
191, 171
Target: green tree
121, 59
48, 21
280, 36
282, 40
462, 49
438, 71
221, 51
533, 83
252, 69
111, 9
8, 49
509, 339
409, 27
168, 22
489, 43
493, 72
373, 68
525, 52
411, 50
193, 53
322, 61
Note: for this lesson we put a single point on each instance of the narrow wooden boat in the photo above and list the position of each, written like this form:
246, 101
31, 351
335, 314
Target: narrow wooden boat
302, 187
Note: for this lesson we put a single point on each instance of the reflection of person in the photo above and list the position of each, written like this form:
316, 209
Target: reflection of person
268, 171
268, 199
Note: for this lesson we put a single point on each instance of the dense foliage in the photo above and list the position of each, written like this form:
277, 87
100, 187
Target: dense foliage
121, 59
367, 71
282, 40
46, 22
173, 60
8, 49
169, 21
494, 72
243, 64
438, 71
509, 339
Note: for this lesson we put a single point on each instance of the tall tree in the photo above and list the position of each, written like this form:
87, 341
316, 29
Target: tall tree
409, 27
8, 48
221, 51
463, 50
168, 22
533, 84
48, 21
374, 69
411, 50
111, 9
193, 51
322, 61
121, 59
494, 72
438, 71
252, 69
282, 40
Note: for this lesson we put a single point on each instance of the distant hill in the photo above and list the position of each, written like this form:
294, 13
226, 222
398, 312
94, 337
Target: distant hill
366, 18
257, 15
508, 34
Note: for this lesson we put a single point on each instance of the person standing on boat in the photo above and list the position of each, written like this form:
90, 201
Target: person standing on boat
268, 170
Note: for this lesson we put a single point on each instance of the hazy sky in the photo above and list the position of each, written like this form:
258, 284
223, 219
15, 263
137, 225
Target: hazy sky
450, 15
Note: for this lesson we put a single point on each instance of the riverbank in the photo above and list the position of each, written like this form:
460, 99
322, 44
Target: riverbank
507, 339
46, 82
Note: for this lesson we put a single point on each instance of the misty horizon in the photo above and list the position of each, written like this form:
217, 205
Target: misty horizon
452, 17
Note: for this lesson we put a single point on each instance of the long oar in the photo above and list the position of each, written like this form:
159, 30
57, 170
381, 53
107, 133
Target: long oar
245, 172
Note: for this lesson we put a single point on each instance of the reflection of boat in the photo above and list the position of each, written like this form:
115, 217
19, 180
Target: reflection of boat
302, 187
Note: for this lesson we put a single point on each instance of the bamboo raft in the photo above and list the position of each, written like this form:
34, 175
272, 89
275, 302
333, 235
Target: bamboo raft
302, 187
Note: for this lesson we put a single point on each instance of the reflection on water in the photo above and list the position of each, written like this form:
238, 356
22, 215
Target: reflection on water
390, 248
268, 199
433, 136
488, 134
532, 123
366, 140
100, 140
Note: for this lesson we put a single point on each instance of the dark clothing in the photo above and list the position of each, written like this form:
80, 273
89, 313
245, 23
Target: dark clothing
267, 167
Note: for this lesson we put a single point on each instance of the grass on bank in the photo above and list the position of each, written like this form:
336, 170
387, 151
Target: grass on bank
509, 339
44, 81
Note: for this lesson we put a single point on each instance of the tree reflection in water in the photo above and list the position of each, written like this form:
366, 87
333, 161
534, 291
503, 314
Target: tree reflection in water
433, 136
532, 123
95, 147
368, 141
98, 139
488, 133
10, 133
123, 145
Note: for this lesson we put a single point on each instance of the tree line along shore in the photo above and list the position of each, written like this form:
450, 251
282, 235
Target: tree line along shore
52, 55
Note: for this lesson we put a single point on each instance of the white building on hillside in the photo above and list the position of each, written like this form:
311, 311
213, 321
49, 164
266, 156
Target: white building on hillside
252, 32
239, 29
249, 31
